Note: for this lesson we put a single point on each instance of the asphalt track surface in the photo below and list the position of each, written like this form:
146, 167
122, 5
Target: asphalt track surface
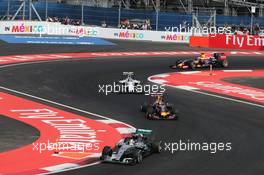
15, 134
256, 82
203, 118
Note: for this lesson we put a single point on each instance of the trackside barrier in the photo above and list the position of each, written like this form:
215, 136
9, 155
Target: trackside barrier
199, 41
247, 42
244, 42
45, 28
50, 28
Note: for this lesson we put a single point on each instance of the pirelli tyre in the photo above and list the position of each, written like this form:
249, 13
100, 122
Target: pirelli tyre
138, 157
135, 156
224, 63
192, 65
149, 112
156, 147
143, 107
107, 151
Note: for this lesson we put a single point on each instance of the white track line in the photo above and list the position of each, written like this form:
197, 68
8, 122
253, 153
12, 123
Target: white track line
212, 95
60, 167
62, 105
37, 62
74, 168
227, 98
237, 70
72, 108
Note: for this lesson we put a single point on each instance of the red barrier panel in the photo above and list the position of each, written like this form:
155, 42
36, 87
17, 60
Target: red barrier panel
248, 42
244, 42
199, 41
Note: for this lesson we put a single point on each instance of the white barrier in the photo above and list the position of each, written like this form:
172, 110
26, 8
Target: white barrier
45, 28
22, 27
51, 28
145, 35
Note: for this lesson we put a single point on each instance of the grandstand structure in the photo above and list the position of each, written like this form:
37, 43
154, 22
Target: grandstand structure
226, 7
160, 13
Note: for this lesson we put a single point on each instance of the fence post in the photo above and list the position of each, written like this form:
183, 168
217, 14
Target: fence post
24, 10
251, 24
46, 10
157, 19
253, 11
119, 13
30, 10
82, 12
8, 9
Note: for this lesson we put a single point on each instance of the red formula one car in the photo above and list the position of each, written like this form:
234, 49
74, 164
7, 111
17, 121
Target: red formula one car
159, 110
204, 60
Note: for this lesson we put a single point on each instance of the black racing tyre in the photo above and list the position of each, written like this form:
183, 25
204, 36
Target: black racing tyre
224, 63
137, 158
156, 147
149, 112
107, 151
128, 156
192, 65
144, 107
134, 157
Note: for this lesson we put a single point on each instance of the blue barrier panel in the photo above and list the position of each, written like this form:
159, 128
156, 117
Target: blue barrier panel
54, 40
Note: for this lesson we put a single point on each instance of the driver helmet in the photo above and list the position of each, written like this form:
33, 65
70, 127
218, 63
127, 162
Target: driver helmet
159, 100
136, 136
202, 56
140, 136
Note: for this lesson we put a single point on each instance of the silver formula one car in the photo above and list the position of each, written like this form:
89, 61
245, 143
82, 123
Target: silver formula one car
132, 150
129, 84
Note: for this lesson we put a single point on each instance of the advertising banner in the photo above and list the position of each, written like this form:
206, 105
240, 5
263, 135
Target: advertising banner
53, 28
144, 35
46, 28
22, 27
245, 42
